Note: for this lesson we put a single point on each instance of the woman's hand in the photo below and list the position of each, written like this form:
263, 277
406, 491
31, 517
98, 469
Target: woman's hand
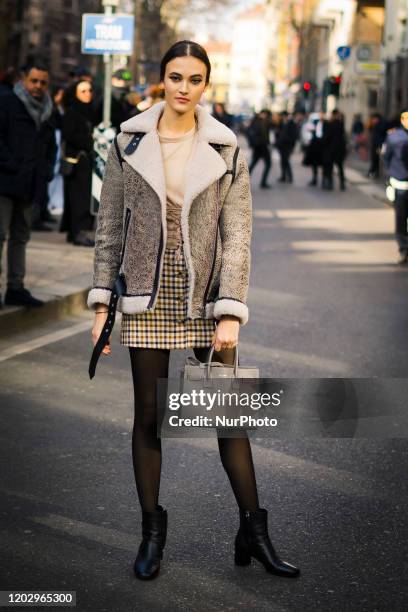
226, 333
100, 319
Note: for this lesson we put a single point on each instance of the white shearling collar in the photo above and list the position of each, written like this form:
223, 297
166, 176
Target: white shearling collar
209, 128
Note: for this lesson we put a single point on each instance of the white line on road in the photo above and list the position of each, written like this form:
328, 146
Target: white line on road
32, 345
96, 533
274, 354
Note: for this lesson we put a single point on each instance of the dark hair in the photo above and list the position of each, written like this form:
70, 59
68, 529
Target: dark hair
181, 49
70, 94
37, 63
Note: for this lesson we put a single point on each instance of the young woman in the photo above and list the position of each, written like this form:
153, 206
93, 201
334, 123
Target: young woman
178, 225
77, 125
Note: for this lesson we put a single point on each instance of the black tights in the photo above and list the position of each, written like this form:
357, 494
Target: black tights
235, 453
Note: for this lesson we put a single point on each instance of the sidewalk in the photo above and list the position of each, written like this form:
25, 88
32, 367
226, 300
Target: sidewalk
58, 273
356, 174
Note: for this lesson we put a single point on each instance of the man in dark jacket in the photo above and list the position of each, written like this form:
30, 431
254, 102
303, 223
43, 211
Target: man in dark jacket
285, 143
377, 137
27, 157
258, 139
334, 150
396, 164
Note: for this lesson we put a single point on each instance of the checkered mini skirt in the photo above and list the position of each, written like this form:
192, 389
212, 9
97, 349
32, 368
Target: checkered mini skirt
167, 326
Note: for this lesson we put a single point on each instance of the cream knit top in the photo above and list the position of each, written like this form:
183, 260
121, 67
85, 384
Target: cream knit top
175, 154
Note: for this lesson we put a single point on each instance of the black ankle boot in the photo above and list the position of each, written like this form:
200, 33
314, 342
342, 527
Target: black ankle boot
252, 540
154, 531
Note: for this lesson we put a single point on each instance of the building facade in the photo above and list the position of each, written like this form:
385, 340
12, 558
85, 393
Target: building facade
254, 38
219, 54
395, 56
341, 55
50, 30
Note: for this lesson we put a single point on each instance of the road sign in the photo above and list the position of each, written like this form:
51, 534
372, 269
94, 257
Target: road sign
344, 52
370, 68
111, 34
364, 53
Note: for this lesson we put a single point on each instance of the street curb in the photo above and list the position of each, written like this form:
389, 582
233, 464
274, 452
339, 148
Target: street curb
18, 319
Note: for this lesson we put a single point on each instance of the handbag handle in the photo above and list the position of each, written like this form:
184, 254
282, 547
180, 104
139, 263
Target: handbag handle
210, 361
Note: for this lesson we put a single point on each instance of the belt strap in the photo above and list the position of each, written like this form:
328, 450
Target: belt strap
118, 290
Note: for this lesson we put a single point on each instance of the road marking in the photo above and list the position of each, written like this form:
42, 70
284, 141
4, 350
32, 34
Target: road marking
81, 529
319, 475
32, 345
275, 354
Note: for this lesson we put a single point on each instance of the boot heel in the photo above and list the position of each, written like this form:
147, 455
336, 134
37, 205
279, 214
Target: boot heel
242, 557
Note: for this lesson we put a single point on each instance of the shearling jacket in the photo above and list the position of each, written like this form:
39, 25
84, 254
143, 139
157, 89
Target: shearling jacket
216, 221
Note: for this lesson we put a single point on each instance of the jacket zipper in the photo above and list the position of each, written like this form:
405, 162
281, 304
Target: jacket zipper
156, 276
211, 273
214, 249
127, 221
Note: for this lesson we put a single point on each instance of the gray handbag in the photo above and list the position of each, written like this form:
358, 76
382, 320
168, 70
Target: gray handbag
213, 377
209, 372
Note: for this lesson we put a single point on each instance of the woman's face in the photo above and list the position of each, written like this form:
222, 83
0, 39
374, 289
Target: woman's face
84, 92
184, 83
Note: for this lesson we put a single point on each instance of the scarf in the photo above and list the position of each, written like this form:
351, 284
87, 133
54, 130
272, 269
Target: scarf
39, 110
86, 109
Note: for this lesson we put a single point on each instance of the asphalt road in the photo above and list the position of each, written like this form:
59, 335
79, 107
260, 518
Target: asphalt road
326, 300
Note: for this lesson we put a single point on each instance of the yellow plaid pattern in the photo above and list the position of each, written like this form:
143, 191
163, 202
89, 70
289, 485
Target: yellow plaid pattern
167, 326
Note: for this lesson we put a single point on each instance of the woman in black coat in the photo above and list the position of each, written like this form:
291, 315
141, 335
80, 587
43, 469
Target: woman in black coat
313, 150
78, 122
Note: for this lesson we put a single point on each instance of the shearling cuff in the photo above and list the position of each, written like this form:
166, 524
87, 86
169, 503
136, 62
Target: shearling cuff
226, 306
98, 296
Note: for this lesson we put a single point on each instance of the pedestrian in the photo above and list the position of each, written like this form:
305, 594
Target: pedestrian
121, 108
357, 133
378, 134
8, 78
314, 149
259, 140
334, 144
285, 143
396, 163
41, 215
27, 157
220, 113
77, 125
184, 228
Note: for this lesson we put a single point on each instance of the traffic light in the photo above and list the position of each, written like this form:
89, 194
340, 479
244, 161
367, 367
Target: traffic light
307, 86
334, 85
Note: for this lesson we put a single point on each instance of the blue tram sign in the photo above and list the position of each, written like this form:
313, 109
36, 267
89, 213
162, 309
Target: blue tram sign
111, 34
